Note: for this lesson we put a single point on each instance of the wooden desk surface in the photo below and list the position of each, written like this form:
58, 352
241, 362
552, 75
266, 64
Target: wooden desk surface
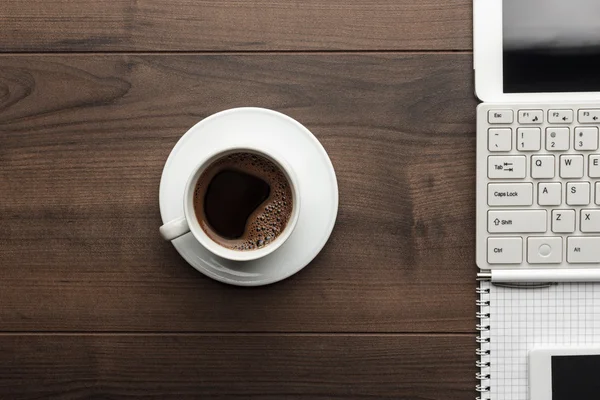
93, 96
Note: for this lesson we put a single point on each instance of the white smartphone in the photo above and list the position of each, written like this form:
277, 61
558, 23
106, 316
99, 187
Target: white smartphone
564, 373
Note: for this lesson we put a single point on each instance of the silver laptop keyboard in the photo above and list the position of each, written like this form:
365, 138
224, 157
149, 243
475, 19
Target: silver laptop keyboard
538, 186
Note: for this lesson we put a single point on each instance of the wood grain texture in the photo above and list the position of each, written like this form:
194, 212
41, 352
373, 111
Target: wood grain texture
84, 140
234, 25
249, 367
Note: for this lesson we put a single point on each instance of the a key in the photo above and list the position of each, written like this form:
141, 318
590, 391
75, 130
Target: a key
594, 166
517, 221
529, 139
598, 193
560, 116
510, 194
550, 194
583, 250
505, 250
563, 221
590, 221
544, 250
500, 139
589, 116
501, 117
542, 167
531, 117
506, 167
557, 139
571, 166
578, 193
586, 138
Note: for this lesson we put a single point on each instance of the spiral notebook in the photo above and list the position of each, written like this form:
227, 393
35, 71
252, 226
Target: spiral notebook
514, 320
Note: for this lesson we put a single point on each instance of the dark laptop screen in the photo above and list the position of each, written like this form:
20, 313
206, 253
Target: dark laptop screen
551, 46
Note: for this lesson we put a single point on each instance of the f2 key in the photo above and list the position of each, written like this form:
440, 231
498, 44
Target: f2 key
560, 116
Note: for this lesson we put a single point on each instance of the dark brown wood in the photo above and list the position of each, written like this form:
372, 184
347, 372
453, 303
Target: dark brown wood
82, 142
84, 139
227, 25
249, 367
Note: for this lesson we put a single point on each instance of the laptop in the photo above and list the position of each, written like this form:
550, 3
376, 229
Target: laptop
537, 74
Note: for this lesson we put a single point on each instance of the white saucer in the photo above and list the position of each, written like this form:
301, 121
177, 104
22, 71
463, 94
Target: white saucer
317, 184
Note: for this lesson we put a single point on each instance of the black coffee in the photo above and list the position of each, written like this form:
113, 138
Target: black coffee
243, 201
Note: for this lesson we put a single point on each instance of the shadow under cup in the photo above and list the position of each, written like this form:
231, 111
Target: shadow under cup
242, 204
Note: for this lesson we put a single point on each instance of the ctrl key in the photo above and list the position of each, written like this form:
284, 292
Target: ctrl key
505, 250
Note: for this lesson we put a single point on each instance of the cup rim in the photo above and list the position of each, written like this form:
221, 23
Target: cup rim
214, 247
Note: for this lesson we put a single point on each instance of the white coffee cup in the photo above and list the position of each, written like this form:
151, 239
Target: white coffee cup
189, 221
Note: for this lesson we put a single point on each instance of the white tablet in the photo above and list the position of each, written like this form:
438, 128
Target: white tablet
537, 50
564, 373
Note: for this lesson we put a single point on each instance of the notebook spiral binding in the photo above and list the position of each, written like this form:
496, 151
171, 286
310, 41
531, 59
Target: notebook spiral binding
483, 339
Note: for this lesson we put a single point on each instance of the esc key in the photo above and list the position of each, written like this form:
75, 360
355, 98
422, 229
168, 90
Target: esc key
501, 116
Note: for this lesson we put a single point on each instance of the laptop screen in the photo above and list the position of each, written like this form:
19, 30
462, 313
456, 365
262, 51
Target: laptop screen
575, 377
551, 46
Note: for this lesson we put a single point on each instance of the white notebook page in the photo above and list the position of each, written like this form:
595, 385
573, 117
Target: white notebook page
520, 319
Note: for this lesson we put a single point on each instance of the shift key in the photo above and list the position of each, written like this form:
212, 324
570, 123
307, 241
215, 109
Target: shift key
517, 221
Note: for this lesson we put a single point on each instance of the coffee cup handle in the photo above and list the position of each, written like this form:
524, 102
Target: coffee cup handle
174, 229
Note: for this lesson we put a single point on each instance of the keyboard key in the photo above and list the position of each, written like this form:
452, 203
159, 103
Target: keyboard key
542, 167
505, 250
544, 250
578, 193
529, 139
598, 193
500, 139
550, 194
589, 116
586, 138
510, 194
507, 167
517, 221
563, 221
583, 250
560, 116
571, 166
501, 117
590, 221
594, 167
557, 139
531, 117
